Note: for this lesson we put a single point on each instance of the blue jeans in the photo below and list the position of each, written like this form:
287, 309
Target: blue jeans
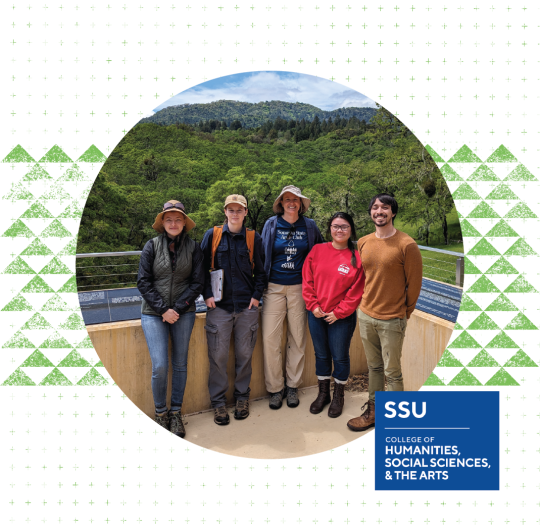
157, 333
332, 343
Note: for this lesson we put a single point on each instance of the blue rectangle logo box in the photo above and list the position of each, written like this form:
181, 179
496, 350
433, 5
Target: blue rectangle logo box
437, 440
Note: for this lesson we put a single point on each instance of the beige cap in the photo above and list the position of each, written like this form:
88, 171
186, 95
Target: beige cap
236, 199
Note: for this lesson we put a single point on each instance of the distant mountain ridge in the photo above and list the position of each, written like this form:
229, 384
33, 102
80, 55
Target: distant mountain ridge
252, 115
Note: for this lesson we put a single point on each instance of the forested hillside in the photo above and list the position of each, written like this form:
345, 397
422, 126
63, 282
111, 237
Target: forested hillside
250, 115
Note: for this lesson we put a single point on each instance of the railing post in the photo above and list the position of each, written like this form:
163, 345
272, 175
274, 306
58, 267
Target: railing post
460, 271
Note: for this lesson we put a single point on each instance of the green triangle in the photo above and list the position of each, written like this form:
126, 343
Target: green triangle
18, 378
483, 285
55, 303
458, 326
520, 248
501, 154
448, 360
18, 193
70, 249
520, 321
56, 378
69, 287
85, 343
37, 211
18, 154
470, 267
37, 322
483, 360
502, 229
464, 341
37, 285
449, 174
465, 192
464, 378
468, 230
55, 154
74, 359
56, 193
37, 173
520, 360
502, 378
502, 191
468, 304
73, 322
19, 266
520, 285
501, 303
37, 359
93, 378
55, 266
520, 211
436, 157
18, 229
36, 248
483, 173
99, 365
502, 266
19, 303
502, 340
483, 248
464, 154
483, 211
520, 173
55, 229
73, 174
18, 341
483, 322
73, 211
55, 341
433, 380
93, 154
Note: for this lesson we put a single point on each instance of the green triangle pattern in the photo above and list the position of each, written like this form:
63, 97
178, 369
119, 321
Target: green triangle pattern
56, 378
37, 359
74, 359
465, 192
19, 266
55, 341
70, 249
73, 174
37, 285
520, 360
73, 322
37, 248
483, 322
37, 211
501, 154
470, 267
85, 343
468, 304
520, 285
464, 378
502, 340
502, 378
37, 322
520, 248
502, 266
502, 191
433, 380
520, 321
55, 229
55, 155
502, 229
483, 360
55, 266
448, 360
19, 303
18, 341
464, 341
483, 211
484, 248
18, 193
18, 378
483, 285
73, 211
55, 303
468, 230
464, 154
93, 378
93, 154
18, 229
501, 303
69, 287
483, 173
520, 174
449, 174
18, 155
37, 173
520, 211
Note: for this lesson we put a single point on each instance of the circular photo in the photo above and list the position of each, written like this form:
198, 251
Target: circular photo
263, 254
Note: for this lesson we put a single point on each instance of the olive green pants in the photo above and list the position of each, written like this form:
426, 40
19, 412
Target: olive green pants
383, 342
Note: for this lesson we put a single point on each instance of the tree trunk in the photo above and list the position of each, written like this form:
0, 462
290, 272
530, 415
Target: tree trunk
445, 230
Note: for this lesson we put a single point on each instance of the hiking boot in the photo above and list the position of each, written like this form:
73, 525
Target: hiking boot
241, 411
221, 416
163, 419
323, 398
336, 407
276, 399
177, 426
366, 420
292, 397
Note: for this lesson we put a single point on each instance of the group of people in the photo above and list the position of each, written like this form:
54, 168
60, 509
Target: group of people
330, 286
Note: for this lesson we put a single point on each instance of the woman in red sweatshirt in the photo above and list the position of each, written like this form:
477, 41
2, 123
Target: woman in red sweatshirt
332, 286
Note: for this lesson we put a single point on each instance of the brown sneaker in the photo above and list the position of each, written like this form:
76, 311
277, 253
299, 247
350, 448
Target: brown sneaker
323, 398
163, 419
366, 420
241, 411
336, 407
221, 416
177, 426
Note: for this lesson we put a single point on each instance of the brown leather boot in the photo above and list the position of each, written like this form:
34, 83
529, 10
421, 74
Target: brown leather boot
323, 398
366, 420
336, 407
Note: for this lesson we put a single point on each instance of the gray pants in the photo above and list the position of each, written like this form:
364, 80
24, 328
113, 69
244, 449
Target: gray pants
220, 324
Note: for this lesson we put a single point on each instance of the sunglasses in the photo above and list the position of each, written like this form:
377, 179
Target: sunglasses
176, 206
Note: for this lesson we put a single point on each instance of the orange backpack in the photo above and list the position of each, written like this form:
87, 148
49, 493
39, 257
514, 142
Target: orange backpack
250, 242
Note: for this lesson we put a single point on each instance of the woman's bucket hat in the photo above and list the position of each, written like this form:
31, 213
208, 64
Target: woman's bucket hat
295, 191
173, 206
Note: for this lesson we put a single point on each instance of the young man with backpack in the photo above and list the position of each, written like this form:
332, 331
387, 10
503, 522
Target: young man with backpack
238, 253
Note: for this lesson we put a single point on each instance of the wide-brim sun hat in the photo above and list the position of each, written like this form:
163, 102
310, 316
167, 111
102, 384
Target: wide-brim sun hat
295, 191
173, 206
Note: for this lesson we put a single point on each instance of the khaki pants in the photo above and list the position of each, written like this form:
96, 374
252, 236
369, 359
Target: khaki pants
280, 301
383, 342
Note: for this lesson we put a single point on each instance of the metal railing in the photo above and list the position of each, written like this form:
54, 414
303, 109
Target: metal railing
441, 265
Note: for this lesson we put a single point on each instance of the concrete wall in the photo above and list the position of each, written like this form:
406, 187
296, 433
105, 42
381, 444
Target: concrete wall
122, 348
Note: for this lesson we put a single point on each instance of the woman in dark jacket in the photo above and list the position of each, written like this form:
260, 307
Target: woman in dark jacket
287, 238
171, 277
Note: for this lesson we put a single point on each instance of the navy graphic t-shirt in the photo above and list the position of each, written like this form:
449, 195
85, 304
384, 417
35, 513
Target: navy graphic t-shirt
289, 252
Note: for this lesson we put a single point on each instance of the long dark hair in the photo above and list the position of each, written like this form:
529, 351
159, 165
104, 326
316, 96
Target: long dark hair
350, 245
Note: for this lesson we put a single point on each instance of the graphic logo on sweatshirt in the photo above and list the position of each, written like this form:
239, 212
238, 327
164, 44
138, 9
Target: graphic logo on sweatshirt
344, 269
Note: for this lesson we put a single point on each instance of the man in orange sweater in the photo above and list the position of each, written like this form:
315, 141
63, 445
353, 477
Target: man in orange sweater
393, 266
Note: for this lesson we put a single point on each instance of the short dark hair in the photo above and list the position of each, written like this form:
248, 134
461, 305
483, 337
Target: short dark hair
346, 217
385, 198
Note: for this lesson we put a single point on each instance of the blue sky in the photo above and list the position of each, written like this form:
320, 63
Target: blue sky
266, 86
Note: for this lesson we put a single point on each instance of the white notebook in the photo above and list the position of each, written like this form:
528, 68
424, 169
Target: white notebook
216, 280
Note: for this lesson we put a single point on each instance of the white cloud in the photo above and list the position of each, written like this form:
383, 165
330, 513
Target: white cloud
267, 86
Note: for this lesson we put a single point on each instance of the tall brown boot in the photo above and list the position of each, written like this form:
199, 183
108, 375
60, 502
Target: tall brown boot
336, 407
323, 398
366, 420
